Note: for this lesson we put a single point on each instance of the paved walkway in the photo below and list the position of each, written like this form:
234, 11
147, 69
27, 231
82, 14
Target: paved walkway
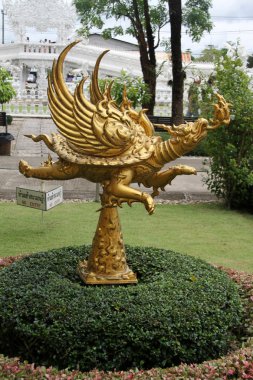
183, 187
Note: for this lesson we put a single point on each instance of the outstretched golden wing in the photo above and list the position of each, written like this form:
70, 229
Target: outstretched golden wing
60, 100
96, 127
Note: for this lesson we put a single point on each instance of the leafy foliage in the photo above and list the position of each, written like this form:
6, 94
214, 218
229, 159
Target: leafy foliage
7, 92
231, 148
144, 22
210, 54
193, 99
196, 17
9, 119
250, 61
91, 12
181, 310
237, 365
137, 91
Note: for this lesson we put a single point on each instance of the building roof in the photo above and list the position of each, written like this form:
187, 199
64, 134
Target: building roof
96, 39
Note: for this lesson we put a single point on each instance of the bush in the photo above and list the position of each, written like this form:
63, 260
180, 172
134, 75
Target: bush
7, 91
200, 150
9, 119
137, 90
237, 365
231, 148
182, 310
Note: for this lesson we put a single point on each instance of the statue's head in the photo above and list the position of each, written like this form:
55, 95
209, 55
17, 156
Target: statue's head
188, 135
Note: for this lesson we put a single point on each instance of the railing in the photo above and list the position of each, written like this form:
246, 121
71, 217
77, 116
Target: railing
34, 103
167, 120
29, 103
44, 48
28, 49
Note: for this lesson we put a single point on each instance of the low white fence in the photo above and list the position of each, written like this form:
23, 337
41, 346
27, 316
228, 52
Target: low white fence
34, 103
44, 48
29, 103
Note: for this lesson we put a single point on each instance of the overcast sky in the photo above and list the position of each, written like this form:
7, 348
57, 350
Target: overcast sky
233, 19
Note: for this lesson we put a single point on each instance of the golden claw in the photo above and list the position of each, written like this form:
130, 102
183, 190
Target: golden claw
221, 113
24, 168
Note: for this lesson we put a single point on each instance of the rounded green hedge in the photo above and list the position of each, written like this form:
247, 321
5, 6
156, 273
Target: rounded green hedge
182, 310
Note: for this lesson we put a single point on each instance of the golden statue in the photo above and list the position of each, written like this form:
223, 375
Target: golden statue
114, 146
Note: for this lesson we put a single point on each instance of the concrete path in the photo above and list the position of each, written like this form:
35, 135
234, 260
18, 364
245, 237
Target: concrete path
183, 187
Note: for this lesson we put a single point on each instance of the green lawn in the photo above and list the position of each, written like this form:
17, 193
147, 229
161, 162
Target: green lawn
207, 231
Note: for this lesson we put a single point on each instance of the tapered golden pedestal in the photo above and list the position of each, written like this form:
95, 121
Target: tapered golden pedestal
107, 261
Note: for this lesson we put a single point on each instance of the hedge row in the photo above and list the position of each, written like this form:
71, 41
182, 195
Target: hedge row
182, 310
236, 365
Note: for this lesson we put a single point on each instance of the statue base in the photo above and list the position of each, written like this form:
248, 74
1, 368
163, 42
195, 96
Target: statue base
107, 261
94, 279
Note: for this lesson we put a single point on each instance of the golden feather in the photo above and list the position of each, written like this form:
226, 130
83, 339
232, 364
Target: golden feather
96, 127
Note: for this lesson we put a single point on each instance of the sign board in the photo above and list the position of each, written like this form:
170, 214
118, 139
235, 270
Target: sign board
41, 200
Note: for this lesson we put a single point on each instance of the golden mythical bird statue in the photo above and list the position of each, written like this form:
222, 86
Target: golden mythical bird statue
115, 146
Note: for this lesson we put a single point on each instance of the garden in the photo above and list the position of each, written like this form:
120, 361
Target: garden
191, 314
204, 311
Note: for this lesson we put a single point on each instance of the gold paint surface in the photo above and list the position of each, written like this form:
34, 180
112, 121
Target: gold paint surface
114, 146
107, 260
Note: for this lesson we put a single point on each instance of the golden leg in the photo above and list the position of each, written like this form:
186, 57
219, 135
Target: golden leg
160, 180
118, 190
59, 170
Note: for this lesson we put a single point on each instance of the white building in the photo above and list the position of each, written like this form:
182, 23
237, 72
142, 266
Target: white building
30, 56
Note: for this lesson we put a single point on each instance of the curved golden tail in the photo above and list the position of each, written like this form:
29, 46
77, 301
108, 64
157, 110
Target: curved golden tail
44, 138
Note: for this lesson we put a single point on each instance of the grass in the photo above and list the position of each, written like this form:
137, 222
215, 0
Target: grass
207, 231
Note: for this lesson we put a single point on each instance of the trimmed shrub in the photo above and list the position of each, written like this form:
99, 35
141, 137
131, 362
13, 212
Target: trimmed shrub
9, 119
231, 148
182, 310
237, 365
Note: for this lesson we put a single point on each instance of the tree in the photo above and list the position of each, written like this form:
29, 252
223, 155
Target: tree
136, 89
196, 18
145, 22
250, 61
193, 98
7, 91
175, 11
231, 148
209, 54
